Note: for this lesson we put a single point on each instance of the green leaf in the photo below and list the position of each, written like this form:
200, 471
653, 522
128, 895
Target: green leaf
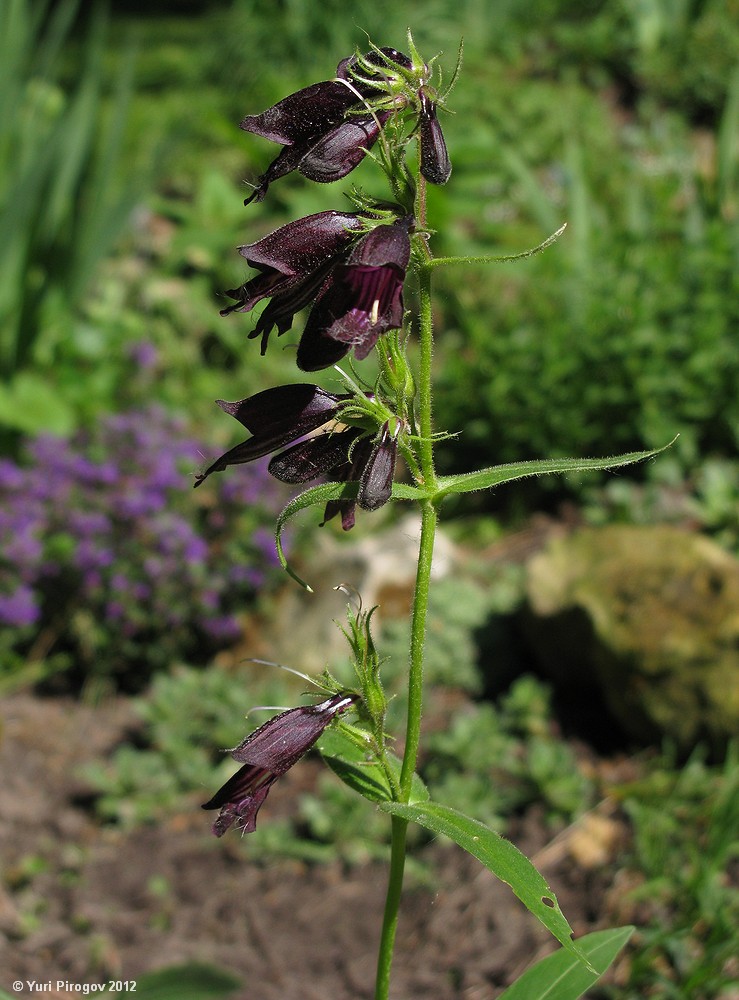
308, 498
349, 762
484, 479
28, 404
403, 491
563, 977
320, 495
498, 855
489, 259
192, 981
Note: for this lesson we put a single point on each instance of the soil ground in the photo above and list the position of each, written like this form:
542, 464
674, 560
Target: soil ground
84, 902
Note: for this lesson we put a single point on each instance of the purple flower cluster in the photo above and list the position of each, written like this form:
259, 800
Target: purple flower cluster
349, 268
101, 528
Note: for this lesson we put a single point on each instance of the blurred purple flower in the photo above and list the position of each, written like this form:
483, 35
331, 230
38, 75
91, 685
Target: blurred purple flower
101, 521
224, 629
20, 608
144, 354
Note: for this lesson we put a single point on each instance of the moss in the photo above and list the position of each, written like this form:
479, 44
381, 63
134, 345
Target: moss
658, 613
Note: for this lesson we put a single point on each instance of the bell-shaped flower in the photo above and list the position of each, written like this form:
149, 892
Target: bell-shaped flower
435, 165
372, 463
293, 263
321, 139
267, 754
307, 418
360, 299
276, 417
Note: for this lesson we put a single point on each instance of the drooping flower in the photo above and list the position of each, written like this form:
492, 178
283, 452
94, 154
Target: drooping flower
372, 464
325, 129
307, 418
435, 165
267, 754
360, 299
293, 263
280, 416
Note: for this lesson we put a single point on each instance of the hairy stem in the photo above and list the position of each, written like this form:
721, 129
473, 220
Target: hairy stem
418, 634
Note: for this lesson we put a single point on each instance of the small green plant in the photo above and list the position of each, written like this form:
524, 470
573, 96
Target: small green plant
686, 847
493, 761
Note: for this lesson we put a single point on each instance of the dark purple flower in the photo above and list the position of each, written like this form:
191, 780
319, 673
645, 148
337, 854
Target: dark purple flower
277, 417
436, 166
267, 754
372, 465
320, 138
360, 299
293, 263
307, 418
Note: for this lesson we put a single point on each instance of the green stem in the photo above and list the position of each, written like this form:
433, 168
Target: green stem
418, 634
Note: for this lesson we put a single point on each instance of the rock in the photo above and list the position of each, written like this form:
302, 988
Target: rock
650, 617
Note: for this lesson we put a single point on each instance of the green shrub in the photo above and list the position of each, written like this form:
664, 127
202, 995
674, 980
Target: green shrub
621, 335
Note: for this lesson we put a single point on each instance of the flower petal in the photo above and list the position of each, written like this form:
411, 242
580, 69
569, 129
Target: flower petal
302, 115
275, 417
238, 803
293, 262
283, 740
339, 151
284, 413
266, 754
376, 483
300, 247
314, 457
436, 166
361, 299
351, 471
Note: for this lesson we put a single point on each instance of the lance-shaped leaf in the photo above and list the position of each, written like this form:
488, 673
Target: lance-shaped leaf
500, 856
324, 494
562, 976
484, 479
